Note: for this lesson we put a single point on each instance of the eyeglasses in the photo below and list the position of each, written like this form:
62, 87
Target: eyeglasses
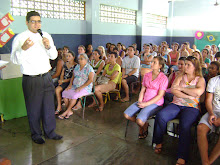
81, 58
34, 22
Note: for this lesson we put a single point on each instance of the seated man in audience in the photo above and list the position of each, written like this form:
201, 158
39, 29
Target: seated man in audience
130, 71
210, 121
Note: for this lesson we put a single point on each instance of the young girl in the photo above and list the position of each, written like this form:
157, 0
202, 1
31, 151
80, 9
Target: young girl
65, 77
150, 98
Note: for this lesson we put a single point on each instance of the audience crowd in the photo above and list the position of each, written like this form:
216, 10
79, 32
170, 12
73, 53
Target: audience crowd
177, 82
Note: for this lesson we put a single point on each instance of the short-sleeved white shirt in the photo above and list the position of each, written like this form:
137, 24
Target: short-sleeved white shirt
130, 63
214, 87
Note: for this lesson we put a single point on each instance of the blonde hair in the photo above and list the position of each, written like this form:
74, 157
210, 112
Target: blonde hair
103, 50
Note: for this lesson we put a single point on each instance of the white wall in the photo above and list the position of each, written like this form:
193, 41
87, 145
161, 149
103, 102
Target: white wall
192, 15
157, 7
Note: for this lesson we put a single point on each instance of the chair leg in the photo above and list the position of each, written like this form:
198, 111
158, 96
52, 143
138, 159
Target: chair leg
126, 129
2, 118
109, 97
119, 95
84, 105
96, 100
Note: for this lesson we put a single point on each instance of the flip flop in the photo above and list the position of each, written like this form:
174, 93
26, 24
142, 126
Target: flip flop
67, 117
57, 112
61, 117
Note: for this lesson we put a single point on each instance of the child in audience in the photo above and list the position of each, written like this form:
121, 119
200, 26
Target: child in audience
187, 88
65, 77
209, 122
130, 71
146, 57
135, 47
150, 98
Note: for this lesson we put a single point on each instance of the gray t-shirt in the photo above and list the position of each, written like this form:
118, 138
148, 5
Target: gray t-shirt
214, 87
131, 63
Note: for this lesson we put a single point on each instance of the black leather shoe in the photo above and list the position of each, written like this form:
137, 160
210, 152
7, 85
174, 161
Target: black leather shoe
56, 137
39, 141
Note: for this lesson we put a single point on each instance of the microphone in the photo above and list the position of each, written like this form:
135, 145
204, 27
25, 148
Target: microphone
40, 32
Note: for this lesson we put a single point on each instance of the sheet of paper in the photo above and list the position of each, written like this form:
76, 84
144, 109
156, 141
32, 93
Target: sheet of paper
3, 63
11, 70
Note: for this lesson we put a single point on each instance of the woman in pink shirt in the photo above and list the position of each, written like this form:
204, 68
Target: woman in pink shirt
150, 98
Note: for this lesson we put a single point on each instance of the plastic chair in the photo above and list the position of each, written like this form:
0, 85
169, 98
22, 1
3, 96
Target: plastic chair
83, 98
116, 90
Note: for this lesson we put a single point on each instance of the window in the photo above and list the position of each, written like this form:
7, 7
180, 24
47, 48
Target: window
117, 15
158, 21
58, 9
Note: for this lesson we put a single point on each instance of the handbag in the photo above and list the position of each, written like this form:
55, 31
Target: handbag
102, 80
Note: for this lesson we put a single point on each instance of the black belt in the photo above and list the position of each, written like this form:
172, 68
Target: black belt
39, 75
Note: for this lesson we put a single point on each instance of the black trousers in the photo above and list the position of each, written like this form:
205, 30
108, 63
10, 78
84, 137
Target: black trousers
39, 99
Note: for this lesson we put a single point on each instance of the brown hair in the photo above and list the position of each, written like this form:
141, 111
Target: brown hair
200, 57
196, 63
161, 62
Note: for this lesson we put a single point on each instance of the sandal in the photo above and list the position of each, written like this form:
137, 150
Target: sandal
61, 117
157, 150
68, 116
57, 112
180, 163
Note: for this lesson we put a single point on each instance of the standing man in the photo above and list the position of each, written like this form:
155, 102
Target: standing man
130, 71
33, 51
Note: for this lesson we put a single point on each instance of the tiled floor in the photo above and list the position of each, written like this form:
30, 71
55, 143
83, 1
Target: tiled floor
98, 139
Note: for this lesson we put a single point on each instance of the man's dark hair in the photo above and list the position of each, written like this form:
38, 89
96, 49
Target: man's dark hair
132, 47
66, 47
30, 14
116, 55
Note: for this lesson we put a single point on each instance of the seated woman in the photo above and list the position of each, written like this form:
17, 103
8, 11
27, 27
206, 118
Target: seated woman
120, 50
168, 95
198, 55
102, 52
187, 88
97, 63
213, 70
65, 77
166, 57
206, 61
146, 57
150, 98
57, 66
112, 71
80, 85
